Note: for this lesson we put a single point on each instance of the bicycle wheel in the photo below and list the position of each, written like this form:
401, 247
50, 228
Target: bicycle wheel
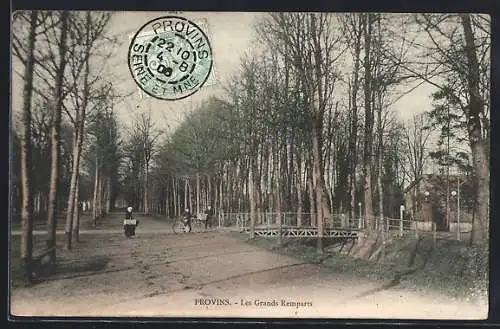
199, 226
178, 226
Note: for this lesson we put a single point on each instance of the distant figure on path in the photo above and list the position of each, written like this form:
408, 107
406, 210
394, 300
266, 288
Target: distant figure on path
128, 212
208, 220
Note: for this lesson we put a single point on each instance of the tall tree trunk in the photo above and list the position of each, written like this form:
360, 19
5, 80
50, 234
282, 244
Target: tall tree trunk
380, 156
175, 196
55, 139
322, 208
186, 191
368, 143
251, 193
100, 194
312, 203
76, 212
73, 185
26, 156
167, 202
96, 190
78, 141
210, 192
353, 138
146, 189
221, 198
108, 194
190, 196
197, 193
480, 229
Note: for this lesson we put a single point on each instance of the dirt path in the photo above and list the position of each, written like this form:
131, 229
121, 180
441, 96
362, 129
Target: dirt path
162, 274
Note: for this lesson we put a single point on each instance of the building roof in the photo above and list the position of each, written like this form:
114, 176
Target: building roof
429, 177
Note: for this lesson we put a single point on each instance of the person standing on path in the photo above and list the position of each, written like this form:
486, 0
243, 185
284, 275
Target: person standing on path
208, 220
128, 212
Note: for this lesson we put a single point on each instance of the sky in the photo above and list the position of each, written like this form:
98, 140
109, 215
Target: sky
231, 35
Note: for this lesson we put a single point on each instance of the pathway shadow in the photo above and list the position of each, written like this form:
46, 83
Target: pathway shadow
73, 268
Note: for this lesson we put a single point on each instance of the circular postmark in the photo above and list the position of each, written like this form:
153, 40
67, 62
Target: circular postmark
170, 58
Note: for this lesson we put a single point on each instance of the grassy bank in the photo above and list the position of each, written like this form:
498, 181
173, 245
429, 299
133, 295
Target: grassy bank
451, 267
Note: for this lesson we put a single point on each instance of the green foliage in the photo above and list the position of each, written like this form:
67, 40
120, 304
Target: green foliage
448, 118
104, 145
202, 143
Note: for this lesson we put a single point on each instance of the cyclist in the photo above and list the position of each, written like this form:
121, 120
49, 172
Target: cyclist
186, 216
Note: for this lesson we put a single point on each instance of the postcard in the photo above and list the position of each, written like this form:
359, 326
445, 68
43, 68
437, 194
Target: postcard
250, 165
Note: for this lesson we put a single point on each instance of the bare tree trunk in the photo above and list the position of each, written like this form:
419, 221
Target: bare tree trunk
100, 194
108, 194
312, 202
380, 165
251, 193
186, 191
55, 139
175, 196
209, 192
353, 184
73, 186
353, 138
167, 202
368, 143
221, 195
76, 213
480, 229
96, 190
26, 157
197, 193
146, 190
78, 139
319, 188
299, 189
190, 196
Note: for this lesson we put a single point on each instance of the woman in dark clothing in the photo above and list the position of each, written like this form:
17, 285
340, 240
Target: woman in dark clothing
208, 220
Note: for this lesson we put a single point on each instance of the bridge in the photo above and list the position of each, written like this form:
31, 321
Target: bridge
302, 232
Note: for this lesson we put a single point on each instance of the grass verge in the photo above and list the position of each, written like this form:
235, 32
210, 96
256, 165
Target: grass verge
450, 267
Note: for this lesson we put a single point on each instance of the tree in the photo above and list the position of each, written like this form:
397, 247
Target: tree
55, 136
309, 44
478, 143
416, 137
87, 30
26, 154
457, 64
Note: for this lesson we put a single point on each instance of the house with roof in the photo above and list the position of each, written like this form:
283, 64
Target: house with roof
443, 199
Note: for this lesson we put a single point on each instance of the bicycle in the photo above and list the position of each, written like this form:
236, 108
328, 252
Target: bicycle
187, 225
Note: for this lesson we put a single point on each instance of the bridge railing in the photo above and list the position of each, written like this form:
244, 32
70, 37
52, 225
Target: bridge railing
263, 219
273, 219
241, 220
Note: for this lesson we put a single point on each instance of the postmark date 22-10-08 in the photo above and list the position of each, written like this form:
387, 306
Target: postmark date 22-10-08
170, 58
